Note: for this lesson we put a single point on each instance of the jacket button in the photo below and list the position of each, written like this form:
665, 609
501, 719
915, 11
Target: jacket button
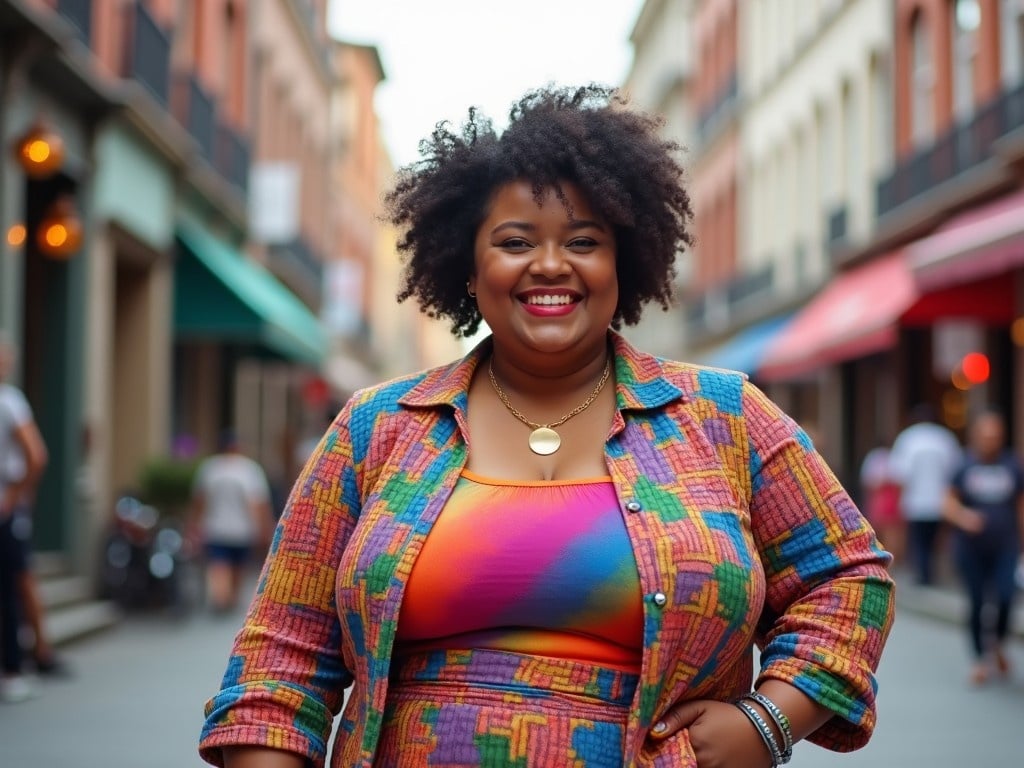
660, 599
633, 506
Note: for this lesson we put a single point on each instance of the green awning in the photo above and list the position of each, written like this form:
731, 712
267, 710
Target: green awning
221, 295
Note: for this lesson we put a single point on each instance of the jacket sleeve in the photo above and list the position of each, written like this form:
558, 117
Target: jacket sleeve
285, 676
829, 602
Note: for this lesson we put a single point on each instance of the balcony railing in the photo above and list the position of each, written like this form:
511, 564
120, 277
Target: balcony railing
741, 289
717, 306
148, 52
231, 157
965, 146
200, 117
79, 13
220, 145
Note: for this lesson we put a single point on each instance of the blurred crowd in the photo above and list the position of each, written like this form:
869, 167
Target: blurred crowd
949, 511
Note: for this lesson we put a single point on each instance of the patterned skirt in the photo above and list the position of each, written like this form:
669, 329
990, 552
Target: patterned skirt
485, 709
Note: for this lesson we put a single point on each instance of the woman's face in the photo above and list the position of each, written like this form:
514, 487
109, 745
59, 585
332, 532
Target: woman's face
544, 281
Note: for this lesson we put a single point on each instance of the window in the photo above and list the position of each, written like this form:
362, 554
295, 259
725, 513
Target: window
1011, 23
966, 22
922, 84
852, 161
880, 151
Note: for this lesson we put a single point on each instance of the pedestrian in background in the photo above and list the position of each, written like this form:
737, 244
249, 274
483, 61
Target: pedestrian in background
880, 490
558, 550
986, 508
924, 457
231, 516
23, 457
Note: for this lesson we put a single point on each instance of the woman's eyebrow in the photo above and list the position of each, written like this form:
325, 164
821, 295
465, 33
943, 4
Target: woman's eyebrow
512, 225
574, 225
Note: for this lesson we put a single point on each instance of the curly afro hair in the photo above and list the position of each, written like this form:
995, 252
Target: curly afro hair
583, 136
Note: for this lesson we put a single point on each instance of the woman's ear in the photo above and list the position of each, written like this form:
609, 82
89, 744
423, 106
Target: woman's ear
471, 286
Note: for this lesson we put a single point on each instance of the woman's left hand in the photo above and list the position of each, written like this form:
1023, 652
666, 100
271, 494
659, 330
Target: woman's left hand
720, 734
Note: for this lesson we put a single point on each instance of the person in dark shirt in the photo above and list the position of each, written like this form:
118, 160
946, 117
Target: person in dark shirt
986, 506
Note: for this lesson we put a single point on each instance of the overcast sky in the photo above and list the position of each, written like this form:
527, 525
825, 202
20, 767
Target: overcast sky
442, 56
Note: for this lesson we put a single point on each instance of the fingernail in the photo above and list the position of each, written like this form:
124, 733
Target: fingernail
659, 728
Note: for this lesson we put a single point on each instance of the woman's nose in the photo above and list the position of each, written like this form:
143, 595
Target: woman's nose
550, 260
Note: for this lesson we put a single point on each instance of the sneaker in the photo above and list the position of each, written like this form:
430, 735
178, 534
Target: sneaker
979, 674
52, 666
15, 689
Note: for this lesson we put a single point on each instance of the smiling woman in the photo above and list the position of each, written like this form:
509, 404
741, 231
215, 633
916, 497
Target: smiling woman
559, 550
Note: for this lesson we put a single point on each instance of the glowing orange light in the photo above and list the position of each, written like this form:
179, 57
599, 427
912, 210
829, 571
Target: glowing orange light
56, 235
40, 151
976, 367
16, 235
60, 231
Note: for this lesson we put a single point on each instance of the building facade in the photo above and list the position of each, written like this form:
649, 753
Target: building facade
138, 327
292, 217
816, 132
926, 292
856, 182
661, 81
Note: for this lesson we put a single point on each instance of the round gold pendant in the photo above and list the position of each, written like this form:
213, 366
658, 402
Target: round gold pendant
544, 441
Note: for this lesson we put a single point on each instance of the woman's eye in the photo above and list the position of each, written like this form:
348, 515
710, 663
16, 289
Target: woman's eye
515, 243
582, 243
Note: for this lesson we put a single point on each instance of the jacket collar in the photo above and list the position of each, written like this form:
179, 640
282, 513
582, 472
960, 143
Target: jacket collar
641, 381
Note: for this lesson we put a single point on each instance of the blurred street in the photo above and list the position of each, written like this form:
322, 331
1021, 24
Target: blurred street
928, 714
135, 700
137, 695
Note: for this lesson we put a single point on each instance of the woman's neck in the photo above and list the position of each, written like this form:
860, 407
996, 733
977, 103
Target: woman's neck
549, 375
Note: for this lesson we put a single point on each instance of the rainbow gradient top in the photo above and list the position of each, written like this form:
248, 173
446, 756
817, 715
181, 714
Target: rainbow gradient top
542, 568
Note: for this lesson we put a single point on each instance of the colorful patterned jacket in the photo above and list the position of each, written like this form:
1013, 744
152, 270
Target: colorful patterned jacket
741, 533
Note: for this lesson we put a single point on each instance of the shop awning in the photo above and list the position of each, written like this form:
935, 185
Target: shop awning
855, 315
744, 351
221, 295
986, 241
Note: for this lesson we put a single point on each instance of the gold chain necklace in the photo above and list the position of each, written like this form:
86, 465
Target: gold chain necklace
543, 439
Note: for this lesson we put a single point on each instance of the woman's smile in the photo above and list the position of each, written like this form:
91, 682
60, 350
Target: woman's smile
544, 302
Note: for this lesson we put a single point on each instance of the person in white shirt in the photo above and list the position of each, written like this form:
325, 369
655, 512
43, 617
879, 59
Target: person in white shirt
924, 458
23, 457
232, 517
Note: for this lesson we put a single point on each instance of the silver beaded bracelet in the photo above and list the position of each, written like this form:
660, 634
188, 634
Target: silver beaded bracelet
781, 721
767, 735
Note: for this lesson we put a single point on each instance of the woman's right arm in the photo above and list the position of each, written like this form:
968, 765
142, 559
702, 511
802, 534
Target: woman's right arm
257, 757
286, 676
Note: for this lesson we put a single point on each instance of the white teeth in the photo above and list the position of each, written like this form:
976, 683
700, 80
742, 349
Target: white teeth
549, 300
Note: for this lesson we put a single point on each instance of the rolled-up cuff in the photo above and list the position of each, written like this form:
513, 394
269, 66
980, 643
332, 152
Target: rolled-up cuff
854, 719
270, 715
